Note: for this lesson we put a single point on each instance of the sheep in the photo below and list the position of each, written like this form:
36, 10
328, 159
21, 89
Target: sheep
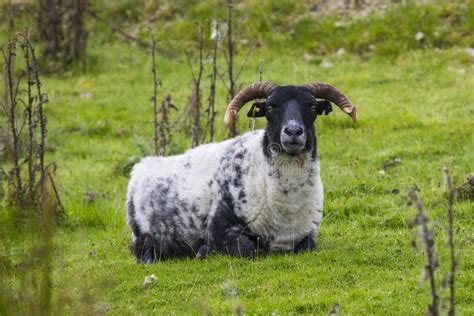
260, 191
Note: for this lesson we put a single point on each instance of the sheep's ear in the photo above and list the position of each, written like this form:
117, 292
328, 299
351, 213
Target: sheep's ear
257, 110
323, 107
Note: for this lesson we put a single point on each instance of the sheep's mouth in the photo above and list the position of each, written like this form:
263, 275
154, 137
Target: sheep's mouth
293, 147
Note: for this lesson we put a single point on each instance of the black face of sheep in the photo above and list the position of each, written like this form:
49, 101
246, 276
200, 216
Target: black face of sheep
290, 111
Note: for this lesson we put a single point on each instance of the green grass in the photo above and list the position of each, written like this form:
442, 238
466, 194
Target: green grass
418, 107
291, 24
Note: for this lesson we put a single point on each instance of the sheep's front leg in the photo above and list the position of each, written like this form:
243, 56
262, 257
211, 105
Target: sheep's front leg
306, 244
234, 243
229, 234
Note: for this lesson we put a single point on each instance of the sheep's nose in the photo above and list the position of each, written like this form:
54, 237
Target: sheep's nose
293, 130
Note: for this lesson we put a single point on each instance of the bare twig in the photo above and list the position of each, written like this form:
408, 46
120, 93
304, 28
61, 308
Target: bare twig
230, 64
47, 214
164, 126
28, 193
222, 79
427, 236
42, 100
229, 55
3, 108
253, 121
62, 211
2, 177
162, 135
155, 92
452, 192
190, 65
17, 86
30, 121
9, 57
192, 111
211, 100
196, 129
244, 63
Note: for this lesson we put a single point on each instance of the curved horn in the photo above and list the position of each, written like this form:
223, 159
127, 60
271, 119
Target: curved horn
326, 91
257, 90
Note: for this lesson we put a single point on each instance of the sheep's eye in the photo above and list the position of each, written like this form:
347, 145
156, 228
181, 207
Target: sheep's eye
313, 108
269, 108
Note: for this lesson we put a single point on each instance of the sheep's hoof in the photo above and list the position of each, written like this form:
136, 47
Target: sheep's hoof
202, 252
307, 244
145, 261
147, 257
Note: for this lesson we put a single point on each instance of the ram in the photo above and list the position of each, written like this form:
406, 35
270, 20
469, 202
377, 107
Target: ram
260, 191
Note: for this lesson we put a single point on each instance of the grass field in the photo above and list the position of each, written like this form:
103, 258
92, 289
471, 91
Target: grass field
416, 108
